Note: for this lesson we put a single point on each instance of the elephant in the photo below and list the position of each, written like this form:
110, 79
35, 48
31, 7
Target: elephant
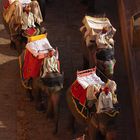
101, 126
102, 58
13, 20
46, 92
44, 89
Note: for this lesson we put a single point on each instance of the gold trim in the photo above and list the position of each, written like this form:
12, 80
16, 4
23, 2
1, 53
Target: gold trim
37, 37
112, 115
78, 109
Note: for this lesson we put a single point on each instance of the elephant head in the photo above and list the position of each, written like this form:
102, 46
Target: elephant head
103, 126
99, 46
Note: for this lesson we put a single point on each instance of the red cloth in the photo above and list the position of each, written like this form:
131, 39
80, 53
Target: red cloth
5, 4
78, 92
30, 31
31, 66
106, 90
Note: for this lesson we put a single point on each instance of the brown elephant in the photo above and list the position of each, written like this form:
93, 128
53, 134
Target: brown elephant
102, 58
100, 126
46, 92
13, 20
45, 89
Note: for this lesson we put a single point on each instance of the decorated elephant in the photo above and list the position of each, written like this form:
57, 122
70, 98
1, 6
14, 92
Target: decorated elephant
40, 75
93, 106
16, 19
46, 92
100, 126
98, 45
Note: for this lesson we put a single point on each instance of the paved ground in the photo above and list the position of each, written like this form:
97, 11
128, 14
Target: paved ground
18, 117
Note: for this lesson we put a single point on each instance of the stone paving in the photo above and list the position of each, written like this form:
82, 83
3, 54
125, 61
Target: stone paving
8, 82
18, 117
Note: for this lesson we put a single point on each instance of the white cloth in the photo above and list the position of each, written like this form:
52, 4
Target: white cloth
50, 65
39, 47
28, 20
103, 41
104, 102
91, 92
25, 1
96, 23
89, 80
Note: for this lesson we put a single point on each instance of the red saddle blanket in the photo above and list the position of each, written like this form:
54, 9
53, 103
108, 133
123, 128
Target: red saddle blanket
79, 92
79, 99
31, 66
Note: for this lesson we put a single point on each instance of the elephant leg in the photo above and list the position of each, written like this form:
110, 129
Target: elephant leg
38, 100
49, 107
56, 109
71, 124
29, 95
29, 91
92, 132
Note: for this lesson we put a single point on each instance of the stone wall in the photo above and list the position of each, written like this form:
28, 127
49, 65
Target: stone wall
132, 55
